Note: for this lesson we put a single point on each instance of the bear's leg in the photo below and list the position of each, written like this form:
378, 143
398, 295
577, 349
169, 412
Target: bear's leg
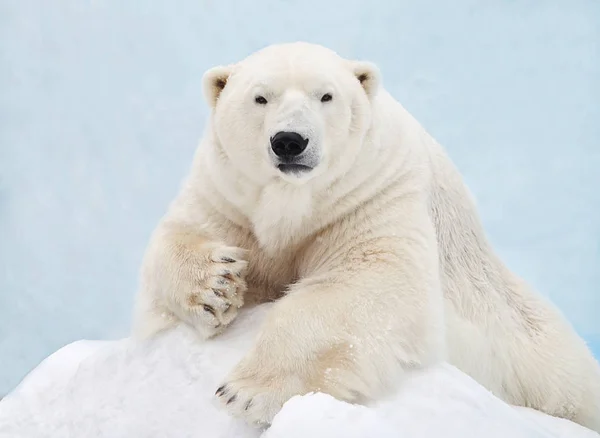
350, 328
187, 277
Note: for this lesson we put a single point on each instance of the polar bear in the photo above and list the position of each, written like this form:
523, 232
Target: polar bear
314, 188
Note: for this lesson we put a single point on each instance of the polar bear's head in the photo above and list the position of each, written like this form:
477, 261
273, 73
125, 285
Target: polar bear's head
291, 111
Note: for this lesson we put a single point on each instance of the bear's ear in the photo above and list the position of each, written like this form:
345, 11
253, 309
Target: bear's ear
368, 75
213, 82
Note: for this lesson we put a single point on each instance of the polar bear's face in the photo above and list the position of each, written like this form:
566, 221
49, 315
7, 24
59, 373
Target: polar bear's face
292, 111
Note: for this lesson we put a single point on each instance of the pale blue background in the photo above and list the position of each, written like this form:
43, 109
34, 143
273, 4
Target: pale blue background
101, 109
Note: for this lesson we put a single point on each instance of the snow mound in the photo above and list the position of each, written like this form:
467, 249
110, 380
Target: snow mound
165, 387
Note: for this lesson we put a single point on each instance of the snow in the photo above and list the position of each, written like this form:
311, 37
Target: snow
164, 387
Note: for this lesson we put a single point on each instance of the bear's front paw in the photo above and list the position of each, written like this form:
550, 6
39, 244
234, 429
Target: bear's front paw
211, 288
257, 398
268, 377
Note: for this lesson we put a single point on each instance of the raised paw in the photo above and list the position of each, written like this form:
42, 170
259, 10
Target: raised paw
213, 292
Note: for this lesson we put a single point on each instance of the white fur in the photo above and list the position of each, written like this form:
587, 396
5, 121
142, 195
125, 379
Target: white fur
376, 257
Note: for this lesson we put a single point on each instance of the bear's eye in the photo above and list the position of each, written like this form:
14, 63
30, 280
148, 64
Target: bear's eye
326, 97
260, 100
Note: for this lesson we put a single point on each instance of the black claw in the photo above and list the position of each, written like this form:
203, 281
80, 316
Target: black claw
232, 399
227, 308
209, 309
248, 404
226, 273
220, 391
218, 293
227, 260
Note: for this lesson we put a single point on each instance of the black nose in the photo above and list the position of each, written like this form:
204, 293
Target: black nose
288, 144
